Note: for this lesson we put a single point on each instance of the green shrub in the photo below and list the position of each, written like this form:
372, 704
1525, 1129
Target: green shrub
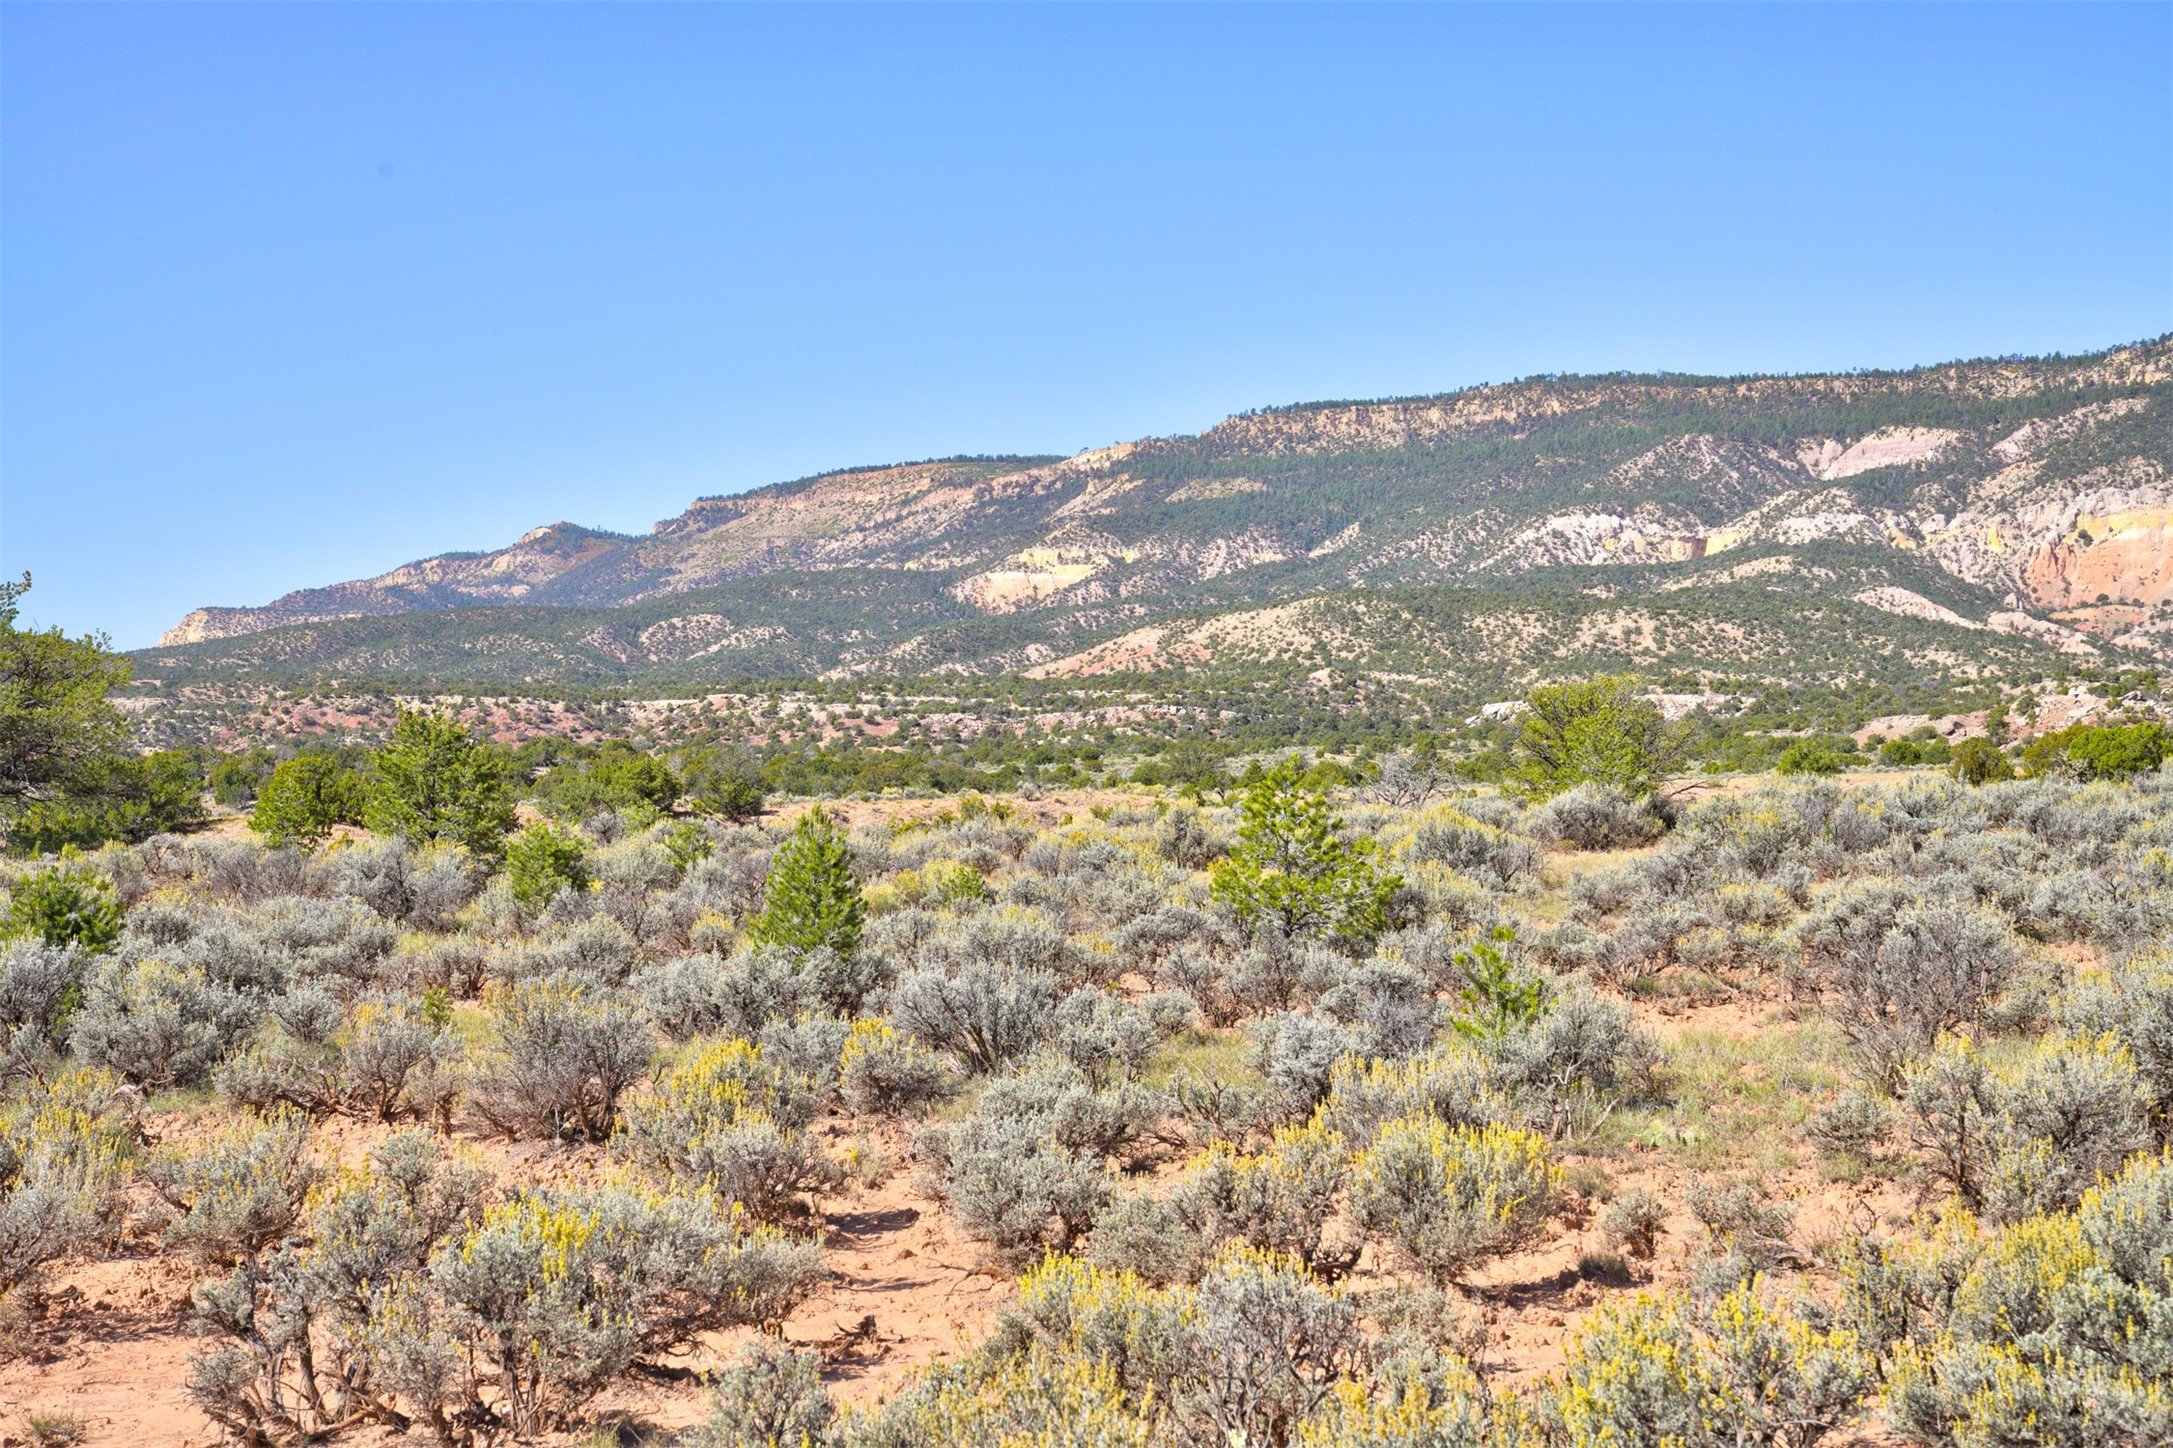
541, 861
1978, 762
130, 798
1292, 871
1812, 756
63, 906
2097, 751
1601, 731
618, 777
433, 780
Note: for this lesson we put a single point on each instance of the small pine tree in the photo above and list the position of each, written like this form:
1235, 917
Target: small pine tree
813, 899
435, 781
1499, 996
305, 797
1292, 870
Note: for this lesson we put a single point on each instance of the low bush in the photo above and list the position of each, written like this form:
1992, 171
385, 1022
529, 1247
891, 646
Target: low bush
882, 1071
987, 1016
729, 1120
238, 1191
1745, 1370
2046, 1332
1595, 817
566, 1051
1280, 1200
40, 987
64, 1155
528, 1314
161, 1025
1446, 1197
770, 1397
2029, 1136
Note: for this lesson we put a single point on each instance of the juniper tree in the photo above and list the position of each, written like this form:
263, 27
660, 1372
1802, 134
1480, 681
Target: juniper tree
305, 797
436, 781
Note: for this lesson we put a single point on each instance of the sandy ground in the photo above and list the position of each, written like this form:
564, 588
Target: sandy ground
110, 1341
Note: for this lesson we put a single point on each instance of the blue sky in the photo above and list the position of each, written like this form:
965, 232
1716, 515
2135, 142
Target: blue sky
291, 294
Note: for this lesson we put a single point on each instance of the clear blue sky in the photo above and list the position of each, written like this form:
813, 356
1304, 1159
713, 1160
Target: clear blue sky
297, 293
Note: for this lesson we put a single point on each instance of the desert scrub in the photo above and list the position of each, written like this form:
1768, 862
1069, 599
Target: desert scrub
64, 1154
161, 1025
882, 1071
292, 1361
567, 1050
238, 1191
1445, 1197
1252, 1351
1027, 1172
1280, 1199
725, 1118
1438, 1404
1746, 1370
1038, 1398
528, 1314
2049, 1331
1454, 1084
770, 1397
2026, 1135
984, 1014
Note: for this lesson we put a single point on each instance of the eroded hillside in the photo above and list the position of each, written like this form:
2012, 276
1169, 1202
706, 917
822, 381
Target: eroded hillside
2006, 511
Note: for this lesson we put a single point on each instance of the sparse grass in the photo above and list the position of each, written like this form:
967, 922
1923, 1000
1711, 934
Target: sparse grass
1588, 1179
189, 1100
43, 1429
1736, 1102
866, 1163
1216, 1055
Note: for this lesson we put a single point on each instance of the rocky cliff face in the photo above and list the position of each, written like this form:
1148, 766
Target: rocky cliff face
509, 575
2039, 487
